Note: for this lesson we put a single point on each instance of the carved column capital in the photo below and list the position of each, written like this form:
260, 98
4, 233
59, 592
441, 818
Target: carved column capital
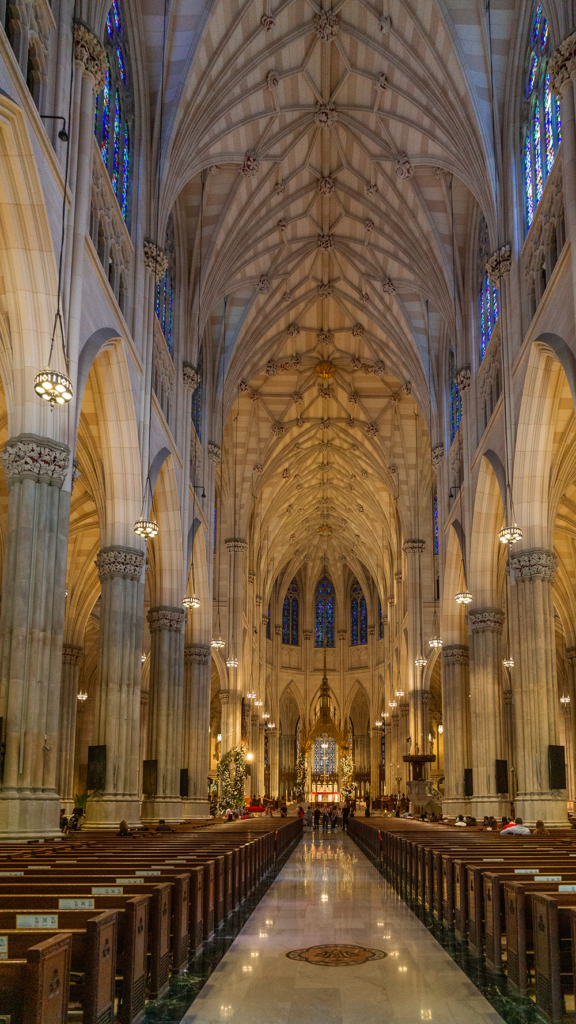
562, 64
426, 696
437, 454
507, 698
88, 50
166, 618
190, 376
342, 634
535, 564
455, 654
71, 654
35, 458
413, 546
120, 563
236, 544
571, 655
198, 654
214, 453
277, 629
224, 696
486, 620
463, 379
404, 709
499, 264
155, 259
307, 634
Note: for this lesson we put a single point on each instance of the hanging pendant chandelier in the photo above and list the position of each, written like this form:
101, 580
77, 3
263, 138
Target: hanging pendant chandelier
392, 703
217, 642
464, 597
53, 387
421, 661
82, 696
510, 534
564, 700
508, 662
191, 602
251, 695
146, 528
435, 642
258, 703
265, 714
232, 662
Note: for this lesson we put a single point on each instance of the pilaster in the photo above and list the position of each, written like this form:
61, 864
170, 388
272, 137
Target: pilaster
456, 722
486, 710
165, 722
196, 729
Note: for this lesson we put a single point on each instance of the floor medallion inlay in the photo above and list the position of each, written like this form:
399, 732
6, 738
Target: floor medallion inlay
330, 955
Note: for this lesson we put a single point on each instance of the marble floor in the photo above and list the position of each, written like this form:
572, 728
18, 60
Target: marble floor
329, 892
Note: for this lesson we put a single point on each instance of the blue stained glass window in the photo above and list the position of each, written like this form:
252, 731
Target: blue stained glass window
380, 621
290, 615
487, 312
324, 631
358, 623
197, 398
121, 67
436, 535
113, 112
455, 408
542, 127
165, 288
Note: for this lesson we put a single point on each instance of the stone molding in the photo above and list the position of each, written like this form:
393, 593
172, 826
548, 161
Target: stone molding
277, 629
455, 654
198, 654
144, 698
562, 64
264, 620
398, 577
537, 564
35, 458
437, 454
426, 696
71, 654
120, 563
89, 51
236, 544
486, 620
190, 376
499, 263
307, 634
155, 259
214, 453
413, 546
166, 618
507, 698
463, 379
571, 655
391, 601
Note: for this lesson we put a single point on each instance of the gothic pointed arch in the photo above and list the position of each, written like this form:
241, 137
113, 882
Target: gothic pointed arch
324, 606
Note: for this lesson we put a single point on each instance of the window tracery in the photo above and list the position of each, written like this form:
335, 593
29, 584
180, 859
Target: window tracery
324, 604
541, 134
455, 399
197, 398
358, 619
290, 616
165, 288
324, 756
488, 306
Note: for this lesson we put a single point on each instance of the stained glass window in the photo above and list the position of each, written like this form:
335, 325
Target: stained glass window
324, 631
290, 616
487, 293
358, 625
436, 537
455, 407
165, 288
380, 621
197, 398
542, 127
324, 755
114, 111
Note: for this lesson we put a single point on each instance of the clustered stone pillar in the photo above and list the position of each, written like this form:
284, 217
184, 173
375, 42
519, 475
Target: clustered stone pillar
569, 723
418, 733
375, 758
255, 750
31, 629
536, 703
196, 729
456, 722
120, 571
486, 708
165, 718
71, 656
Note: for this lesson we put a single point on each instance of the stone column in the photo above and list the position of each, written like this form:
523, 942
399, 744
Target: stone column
485, 625
231, 727
456, 722
165, 722
534, 685
273, 757
375, 749
260, 775
232, 730
196, 729
394, 755
31, 628
569, 723
120, 571
418, 731
562, 70
405, 741
67, 727
389, 780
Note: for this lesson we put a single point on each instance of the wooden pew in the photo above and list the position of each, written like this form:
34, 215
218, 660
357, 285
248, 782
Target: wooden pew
35, 990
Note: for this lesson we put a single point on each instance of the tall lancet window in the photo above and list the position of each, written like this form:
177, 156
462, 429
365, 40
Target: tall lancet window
358, 626
165, 289
290, 616
455, 399
114, 112
324, 600
541, 133
488, 308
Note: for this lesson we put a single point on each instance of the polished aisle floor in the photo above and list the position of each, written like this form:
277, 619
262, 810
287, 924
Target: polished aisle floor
329, 893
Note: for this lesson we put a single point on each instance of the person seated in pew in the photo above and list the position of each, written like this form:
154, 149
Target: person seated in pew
162, 826
517, 829
460, 821
63, 820
124, 830
471, 821
505, 823
540, 829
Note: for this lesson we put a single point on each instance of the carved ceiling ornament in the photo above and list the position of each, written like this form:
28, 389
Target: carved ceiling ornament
326, 115
264, 284
325, 337
272, 80
388, 286
267, 21
37, 458
293, 330
250, 165
402, 166
326, 25
381, 81
325, 242
326, 186
324, 291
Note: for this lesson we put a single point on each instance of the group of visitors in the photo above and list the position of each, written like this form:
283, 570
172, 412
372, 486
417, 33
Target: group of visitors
509, 827
327, 817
